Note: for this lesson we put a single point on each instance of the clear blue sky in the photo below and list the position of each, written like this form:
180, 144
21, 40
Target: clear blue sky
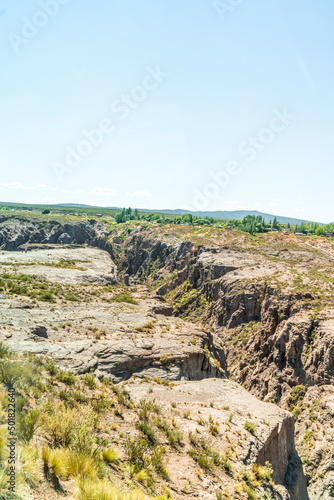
227, 74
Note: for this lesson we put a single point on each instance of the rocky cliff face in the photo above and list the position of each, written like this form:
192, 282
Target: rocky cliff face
273, 309
278, 326
272, 440
172, 357
18, 233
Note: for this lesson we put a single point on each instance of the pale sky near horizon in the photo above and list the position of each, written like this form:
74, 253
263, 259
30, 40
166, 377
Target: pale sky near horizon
203, 105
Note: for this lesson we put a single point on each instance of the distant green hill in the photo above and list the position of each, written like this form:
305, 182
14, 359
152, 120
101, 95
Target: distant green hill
219, 214
237, 215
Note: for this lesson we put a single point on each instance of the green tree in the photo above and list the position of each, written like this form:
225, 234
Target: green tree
319, 231
119, 218
187, 219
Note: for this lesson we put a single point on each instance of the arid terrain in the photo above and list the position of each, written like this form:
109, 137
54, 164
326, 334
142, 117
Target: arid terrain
209, 348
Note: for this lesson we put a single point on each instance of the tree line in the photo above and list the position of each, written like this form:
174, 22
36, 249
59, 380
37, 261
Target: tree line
251, 224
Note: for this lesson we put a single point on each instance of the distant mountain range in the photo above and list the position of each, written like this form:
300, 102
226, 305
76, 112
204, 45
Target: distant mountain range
219, 214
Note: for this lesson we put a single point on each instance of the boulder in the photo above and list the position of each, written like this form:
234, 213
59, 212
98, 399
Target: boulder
164, 310
40, 331
64, 238
126, 278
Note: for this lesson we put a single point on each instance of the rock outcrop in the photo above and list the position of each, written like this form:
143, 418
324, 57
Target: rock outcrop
39, 331
169, 358
272, 439
18, 233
